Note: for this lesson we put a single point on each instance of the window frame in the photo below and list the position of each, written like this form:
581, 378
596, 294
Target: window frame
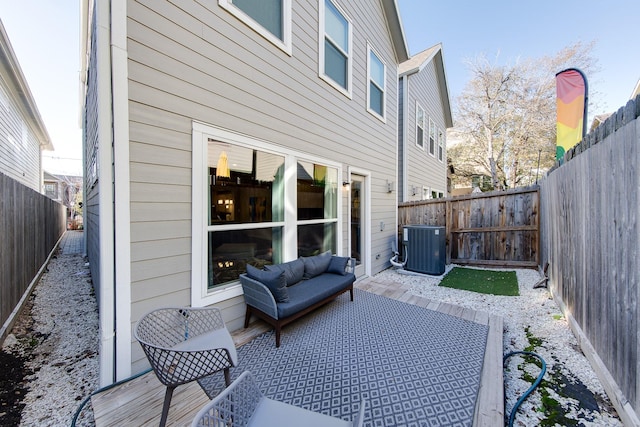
283, 44
322, 36
200, 294
432, 137
383, 89
420, 141
441, 144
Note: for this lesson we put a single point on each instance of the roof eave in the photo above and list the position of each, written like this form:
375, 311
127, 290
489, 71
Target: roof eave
396, 30
15, 78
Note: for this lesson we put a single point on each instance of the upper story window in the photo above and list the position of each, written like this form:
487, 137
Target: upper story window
440, 145
51, 190
335, 47
269, 18
420, 126
376, 89
432, 137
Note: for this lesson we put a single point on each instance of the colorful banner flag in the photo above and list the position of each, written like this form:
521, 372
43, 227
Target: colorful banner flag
571, 103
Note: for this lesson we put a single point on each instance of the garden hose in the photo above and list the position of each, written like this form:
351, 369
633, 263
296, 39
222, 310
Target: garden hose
110, 386
535, 384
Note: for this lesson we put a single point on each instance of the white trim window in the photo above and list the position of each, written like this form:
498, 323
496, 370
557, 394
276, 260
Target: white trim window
440, 145
335, 60
269, 18
420, 126
432, 137
376, 91
255, 203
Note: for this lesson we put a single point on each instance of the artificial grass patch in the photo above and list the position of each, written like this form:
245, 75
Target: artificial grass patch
482, 281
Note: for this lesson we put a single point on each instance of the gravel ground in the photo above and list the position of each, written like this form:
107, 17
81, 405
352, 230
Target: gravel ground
571, 391
52, 351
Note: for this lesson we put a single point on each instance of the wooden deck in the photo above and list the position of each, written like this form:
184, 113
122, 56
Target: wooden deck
139, 402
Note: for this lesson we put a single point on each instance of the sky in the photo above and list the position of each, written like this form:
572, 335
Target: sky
44, 35
508, 30
45, 38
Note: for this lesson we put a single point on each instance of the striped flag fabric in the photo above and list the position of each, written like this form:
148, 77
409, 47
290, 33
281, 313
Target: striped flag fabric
571, 103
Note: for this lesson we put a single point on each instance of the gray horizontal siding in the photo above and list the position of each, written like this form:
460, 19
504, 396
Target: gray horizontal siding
191, 60
423, 168
19, 146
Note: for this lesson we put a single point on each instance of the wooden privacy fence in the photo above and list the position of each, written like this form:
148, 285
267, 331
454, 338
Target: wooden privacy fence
500, 228
591, 240
31, 226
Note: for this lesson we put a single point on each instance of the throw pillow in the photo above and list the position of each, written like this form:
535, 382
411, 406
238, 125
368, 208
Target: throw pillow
316, 265
293, 270
274, 280
338, 265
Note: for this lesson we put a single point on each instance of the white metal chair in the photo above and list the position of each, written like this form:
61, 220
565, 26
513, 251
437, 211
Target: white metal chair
184, 345
243, 404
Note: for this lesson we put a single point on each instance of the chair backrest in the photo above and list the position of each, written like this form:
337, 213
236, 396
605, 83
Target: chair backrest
358, 421
166, 327
233, 406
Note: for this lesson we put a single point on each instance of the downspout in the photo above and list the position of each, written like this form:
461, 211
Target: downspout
405, 130
121, 185
105, 226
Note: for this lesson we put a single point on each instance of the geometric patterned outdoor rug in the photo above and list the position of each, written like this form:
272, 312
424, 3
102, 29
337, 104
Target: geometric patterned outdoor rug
414, 366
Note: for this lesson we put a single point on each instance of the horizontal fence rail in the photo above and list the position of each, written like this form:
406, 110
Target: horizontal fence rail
31, 226
500, 228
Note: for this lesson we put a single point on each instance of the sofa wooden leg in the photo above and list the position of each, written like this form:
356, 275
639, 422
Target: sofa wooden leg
277, 336
351, 291
247, 317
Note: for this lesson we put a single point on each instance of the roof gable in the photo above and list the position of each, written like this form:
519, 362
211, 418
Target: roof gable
12, 74
418, 62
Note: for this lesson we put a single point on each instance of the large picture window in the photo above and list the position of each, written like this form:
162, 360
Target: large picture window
335, 46
246, 210
256, 204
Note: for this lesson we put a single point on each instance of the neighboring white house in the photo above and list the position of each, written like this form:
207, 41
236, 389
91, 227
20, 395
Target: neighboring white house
23, 135
425, 114
66, 189
219, 133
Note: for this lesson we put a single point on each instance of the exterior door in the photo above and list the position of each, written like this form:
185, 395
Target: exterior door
358, 221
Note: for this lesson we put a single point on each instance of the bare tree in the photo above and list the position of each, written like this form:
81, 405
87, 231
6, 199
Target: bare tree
506, 116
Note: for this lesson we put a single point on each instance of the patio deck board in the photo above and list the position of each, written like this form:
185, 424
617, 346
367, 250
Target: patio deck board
139, 402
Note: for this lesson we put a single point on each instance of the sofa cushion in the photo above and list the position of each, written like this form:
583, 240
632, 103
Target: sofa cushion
338, 265
309, 292
274, 280
293, 270
316, 265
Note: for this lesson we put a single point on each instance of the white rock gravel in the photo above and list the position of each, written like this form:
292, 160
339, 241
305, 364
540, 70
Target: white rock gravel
534, 310
58, 335
65, 363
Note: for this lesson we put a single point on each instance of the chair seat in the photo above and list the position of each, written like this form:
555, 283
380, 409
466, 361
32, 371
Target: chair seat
219, 338
243, 404
273, 413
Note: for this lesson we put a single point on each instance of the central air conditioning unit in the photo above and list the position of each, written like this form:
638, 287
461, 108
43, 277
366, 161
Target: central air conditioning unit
425, 247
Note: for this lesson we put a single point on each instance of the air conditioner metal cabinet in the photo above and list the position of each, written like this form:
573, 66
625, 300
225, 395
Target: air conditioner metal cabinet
425, 247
